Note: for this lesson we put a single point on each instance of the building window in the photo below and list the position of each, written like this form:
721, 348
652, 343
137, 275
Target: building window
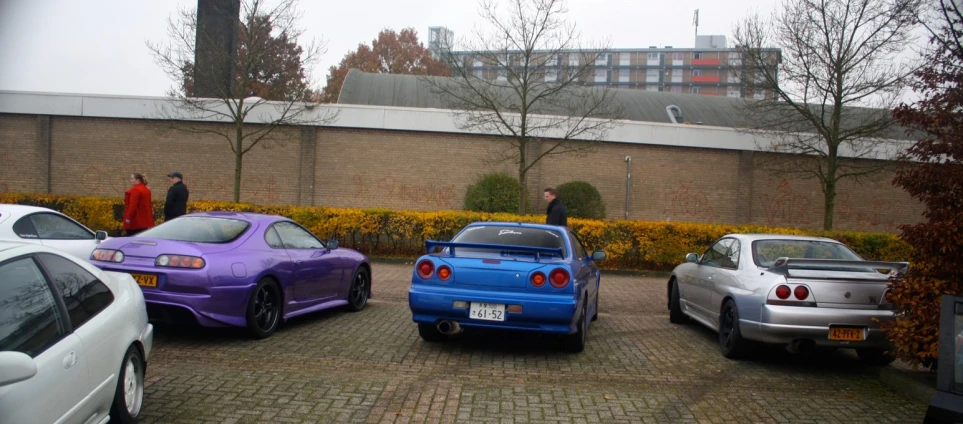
652, 56
572, 59
552, 60
551, 75
623, 75
696, 89
676, 89
759, 94
625, 59
733, 92
652, 75
697, 55
735, 59
502, 75
651, 88
677, 56
601, 75
601, 60
479, 73
477, 63
697, 72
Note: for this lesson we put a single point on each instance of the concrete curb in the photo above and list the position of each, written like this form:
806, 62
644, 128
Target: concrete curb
919, 385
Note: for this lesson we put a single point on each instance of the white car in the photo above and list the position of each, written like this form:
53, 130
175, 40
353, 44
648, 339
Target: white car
36, 225
74, 340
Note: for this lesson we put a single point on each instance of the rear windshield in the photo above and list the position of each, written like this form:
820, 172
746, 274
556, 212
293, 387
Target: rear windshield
511, 236
765, 252
199, 229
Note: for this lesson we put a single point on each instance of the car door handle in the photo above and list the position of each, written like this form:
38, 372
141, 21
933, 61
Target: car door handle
70, 360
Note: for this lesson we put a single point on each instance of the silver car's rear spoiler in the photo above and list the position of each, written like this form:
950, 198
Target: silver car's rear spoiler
785, 265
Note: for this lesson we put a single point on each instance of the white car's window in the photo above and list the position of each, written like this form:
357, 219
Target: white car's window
83, 294
55, 227
29, 319
295, 237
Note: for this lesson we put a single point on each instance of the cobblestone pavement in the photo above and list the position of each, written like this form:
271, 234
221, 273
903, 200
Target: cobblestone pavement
371, 367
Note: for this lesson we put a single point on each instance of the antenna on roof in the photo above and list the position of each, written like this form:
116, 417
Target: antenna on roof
695, 22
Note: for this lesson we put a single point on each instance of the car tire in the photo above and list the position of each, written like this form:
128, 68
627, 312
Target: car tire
575, 343
359, 291
129, 396
264, 309
872, 356
676, 316
595, 316
429, 333
731, 343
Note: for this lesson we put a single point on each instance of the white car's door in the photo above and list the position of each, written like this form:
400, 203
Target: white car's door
31, 322
62, 233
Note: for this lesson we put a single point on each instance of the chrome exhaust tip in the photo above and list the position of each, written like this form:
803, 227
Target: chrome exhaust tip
449, 328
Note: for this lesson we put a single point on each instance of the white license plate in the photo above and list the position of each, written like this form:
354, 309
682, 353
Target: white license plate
487, 311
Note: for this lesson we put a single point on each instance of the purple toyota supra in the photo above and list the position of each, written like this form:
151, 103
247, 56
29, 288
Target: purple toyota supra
237, 269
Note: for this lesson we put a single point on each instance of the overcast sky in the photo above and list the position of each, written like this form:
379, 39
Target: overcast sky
98, 46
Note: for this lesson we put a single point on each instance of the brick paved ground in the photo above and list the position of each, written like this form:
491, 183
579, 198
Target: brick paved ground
371, 367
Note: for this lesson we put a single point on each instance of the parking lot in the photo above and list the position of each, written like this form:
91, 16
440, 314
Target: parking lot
371, 367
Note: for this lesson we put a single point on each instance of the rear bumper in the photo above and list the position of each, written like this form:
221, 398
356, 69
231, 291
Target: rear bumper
783, 324
549, 313
224, 306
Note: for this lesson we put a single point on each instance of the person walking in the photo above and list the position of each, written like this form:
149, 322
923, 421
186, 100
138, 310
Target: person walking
176, 203
556, 213
138, 213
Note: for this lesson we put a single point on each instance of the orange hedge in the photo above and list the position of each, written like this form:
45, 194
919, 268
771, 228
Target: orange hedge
630, 245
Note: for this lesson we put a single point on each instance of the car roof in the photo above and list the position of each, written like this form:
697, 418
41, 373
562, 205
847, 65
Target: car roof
12, 248
22, 209
750, 237
515, 224
248, 216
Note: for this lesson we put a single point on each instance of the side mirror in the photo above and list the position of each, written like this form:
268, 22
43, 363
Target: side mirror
332, 244
16, 367
100, 235
598, 255
691, 258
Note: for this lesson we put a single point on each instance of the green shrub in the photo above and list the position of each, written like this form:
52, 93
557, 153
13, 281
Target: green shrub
582, 200
493, 193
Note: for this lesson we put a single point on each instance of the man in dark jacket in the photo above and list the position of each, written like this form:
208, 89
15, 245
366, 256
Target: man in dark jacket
556, 214
176, 203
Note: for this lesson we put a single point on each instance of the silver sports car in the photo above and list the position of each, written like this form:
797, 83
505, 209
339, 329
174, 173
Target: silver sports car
803, 292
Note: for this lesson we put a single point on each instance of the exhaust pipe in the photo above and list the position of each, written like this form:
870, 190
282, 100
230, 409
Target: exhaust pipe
802, 346
449, 328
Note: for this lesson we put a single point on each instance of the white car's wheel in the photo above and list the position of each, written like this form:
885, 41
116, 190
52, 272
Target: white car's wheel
129, 397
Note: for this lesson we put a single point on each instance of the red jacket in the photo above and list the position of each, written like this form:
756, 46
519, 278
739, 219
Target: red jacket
138, 213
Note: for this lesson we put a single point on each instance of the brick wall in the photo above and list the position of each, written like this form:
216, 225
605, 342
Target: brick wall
424, 171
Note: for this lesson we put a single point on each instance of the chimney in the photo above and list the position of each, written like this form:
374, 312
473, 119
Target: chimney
216, 47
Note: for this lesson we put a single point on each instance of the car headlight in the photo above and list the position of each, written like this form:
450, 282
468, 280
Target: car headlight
107, 255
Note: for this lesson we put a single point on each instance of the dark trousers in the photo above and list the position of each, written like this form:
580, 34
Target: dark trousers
129, 233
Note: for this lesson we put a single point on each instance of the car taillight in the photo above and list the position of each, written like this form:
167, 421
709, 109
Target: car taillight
783, 292
538, 279
558, 278
444, 273
179, 261
801, 292
107, 255
425, 269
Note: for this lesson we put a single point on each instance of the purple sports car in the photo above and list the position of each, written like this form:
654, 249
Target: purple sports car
237, 269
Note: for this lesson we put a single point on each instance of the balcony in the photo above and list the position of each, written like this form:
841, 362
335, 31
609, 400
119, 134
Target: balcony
705, 62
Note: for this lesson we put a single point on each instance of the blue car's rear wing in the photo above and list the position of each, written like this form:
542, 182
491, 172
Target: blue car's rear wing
785, 265
431, 244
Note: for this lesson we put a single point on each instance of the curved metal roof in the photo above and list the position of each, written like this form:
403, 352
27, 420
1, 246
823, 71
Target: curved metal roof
362, 88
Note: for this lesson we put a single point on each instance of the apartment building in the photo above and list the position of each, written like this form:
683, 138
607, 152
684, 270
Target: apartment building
710, 68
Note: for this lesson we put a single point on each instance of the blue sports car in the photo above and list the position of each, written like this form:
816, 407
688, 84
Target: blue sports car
507, 276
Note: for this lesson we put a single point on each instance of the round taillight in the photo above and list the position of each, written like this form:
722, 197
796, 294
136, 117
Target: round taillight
186, 261
538, 279
426, 269
558, 278
783, 292
801, 292
197, 263
163, 260
444, 273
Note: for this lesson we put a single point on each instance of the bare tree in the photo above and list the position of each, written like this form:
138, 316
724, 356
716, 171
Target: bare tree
271, 88
533, 91
829, 97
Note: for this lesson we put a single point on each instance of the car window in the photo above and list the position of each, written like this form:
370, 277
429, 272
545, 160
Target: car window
295, 237
714, 256
272, 238
55, 227
732, 256
83, 294
29, 319
199, 229
24, 228
577, 247
510, 236
765, 252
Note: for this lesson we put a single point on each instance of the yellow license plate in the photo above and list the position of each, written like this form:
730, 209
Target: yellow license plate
846, 333
145, 280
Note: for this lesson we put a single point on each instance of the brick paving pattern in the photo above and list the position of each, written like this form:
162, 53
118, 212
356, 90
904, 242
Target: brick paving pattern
371, 367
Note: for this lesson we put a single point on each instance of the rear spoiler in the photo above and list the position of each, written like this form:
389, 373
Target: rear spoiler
784, 265
431, 244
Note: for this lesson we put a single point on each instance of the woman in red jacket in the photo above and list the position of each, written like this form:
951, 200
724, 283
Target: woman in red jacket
138, 213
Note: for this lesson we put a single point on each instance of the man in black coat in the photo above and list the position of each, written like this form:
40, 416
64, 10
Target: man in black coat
556, 214
176, 203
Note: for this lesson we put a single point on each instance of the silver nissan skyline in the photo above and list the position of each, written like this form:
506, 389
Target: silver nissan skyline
799, 291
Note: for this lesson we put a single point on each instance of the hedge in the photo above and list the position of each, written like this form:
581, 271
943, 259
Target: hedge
630, 245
